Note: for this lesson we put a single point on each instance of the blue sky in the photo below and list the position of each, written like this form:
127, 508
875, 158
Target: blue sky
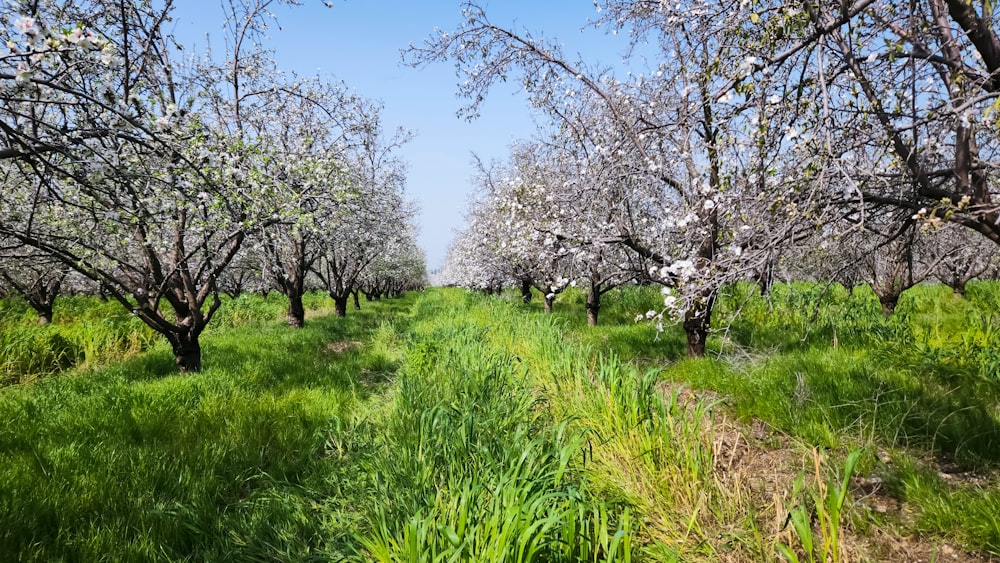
359, 42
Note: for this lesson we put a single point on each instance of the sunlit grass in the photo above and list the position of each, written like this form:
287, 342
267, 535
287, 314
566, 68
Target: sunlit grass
825, 366
453, 426
134, 462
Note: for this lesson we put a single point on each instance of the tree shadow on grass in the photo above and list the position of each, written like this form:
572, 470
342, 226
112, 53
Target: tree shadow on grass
276, 357
329, 352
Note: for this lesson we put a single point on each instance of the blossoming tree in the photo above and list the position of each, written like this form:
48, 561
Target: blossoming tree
692, 163
139, 172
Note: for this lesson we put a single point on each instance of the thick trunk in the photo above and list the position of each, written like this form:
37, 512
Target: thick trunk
957, 287
44, 313
187, 352
357, 303
548, 303
697, 322
888, 303
526, 290
296, 312
340, 305
593, 304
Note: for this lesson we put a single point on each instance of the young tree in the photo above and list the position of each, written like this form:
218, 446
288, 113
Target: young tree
371, 217
34, 276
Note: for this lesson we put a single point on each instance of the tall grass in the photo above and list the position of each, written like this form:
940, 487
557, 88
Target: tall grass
88, 332
824, 365
448, 426
85, 331
471, 464
133, 462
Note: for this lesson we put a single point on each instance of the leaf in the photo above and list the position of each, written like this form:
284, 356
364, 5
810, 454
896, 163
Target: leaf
787, 553
754, 17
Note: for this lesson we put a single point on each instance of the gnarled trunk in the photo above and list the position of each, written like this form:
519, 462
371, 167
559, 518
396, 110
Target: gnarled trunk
187, 351
548, 303
357, 303
697, 323
296, 312
340, 304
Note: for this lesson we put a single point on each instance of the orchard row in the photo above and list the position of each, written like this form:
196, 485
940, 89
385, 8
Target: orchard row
160, 179
849, 141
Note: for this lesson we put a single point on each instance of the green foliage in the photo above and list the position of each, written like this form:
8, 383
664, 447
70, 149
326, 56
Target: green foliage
134, 462
825, 500
470, 467
824, 365
966, 510
85, 331
406, 431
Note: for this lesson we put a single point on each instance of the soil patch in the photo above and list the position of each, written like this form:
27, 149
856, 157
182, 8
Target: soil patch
343, 346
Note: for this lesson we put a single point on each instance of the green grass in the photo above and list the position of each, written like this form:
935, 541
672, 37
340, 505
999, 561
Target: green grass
451, 426
87, 332
825, 366
408, 431
134, 462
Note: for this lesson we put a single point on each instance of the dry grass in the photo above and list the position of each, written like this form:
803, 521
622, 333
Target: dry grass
343, 346
755, 468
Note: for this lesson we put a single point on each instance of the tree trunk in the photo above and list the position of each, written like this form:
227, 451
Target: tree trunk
548, 303
187, 352
765, 280
44, 313
340, 305
296, 312
697, 322
958, 289
357, 303
526, 290
593, 304
888, 303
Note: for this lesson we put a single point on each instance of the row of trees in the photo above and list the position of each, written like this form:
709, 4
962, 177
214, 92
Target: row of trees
153, 177
510, 240
760, 131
